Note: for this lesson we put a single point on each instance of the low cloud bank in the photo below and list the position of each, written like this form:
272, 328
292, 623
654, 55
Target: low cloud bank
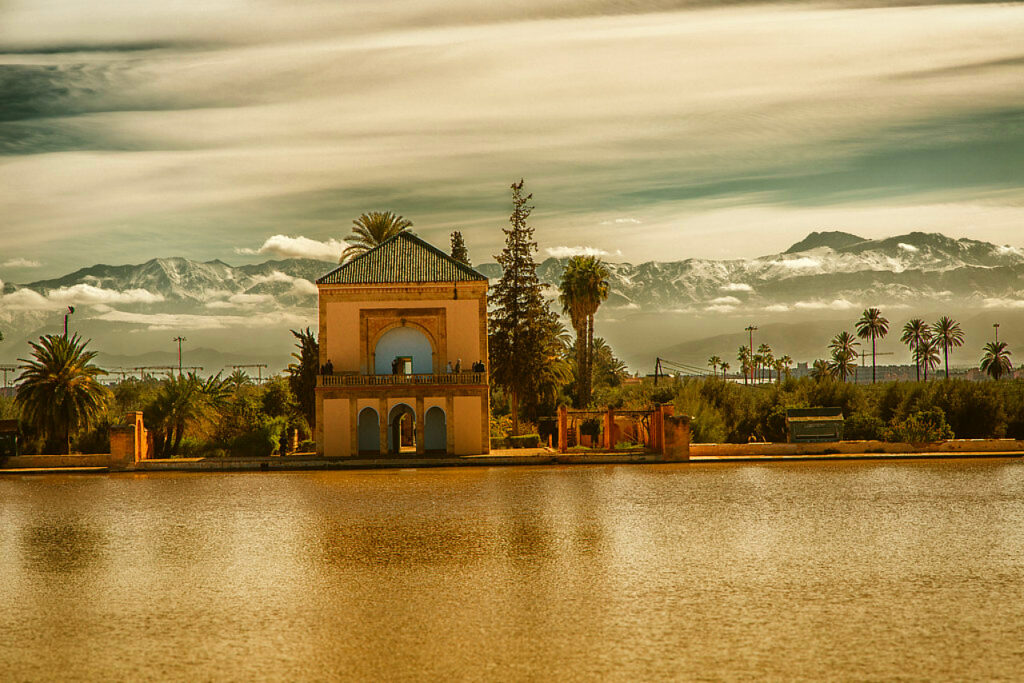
299, 247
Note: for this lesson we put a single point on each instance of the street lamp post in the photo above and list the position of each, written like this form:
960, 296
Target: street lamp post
996, 326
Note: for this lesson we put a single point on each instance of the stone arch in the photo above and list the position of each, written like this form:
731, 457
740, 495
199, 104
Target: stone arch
404, 339
395, 415
369, 431
435, 430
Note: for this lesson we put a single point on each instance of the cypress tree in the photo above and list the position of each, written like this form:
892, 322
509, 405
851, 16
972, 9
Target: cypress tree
520, 319
459, 251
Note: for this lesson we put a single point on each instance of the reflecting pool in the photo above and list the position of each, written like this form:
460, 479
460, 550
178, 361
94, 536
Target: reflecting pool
721, 571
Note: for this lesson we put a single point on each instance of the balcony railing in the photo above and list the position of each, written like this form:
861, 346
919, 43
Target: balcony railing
392, 380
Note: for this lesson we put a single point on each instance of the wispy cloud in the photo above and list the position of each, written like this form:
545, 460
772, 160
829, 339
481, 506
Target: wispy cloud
566, 252
835, 304
736, 287
238, 118
299, 247
20, 263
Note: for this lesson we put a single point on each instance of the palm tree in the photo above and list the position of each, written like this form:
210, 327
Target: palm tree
872, 326
371, 229
583, 288
914, 333
819, 370
767, 359
743, 356
996, 360
725, 368
843, 355
57, 389
714, 362
786, 362
183, 401
236, 380
949, 335
928, 354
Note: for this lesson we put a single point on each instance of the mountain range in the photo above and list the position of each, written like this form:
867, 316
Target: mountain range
821, 282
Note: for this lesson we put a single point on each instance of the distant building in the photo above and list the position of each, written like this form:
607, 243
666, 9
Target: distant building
403, 352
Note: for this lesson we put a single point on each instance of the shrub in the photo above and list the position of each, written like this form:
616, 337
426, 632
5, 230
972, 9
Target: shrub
260, 442
863, 426
499, 442
525, 441
920, 427
306, 447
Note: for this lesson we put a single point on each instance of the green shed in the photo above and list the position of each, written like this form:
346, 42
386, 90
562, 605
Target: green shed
810, 425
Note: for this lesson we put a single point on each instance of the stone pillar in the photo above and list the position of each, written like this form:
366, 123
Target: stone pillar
563, 429
677, 438
318, 431
419, 427
382, 412
609, 428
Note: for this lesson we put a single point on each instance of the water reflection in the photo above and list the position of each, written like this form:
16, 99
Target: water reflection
60, 546
851, 571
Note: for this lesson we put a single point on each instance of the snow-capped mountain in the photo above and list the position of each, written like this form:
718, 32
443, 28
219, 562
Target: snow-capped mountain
248, 310
823, 269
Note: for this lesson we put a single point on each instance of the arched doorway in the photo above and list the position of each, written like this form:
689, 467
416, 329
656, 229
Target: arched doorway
403, 342
369, 431
402, 434
435, 432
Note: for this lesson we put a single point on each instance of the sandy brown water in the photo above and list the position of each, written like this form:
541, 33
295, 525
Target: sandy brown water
854, 570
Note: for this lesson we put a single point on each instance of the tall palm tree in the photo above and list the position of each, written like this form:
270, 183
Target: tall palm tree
574, 305
714, 362
743, 356
914, 334
583, 288
767, 359
725, 368
844, 355
996, 360
57, 389
872, 326
949, 335
371, 229
928, 354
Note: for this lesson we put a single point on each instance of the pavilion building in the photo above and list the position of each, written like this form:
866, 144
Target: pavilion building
403, 353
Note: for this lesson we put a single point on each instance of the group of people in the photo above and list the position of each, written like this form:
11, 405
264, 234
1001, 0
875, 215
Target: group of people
476, 367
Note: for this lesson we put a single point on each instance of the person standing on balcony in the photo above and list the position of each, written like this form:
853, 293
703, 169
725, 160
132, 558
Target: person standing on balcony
328, 367
458, 365
448, 368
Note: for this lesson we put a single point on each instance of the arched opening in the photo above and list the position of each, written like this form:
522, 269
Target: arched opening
401, 351
435, 432
369, 431
401, 430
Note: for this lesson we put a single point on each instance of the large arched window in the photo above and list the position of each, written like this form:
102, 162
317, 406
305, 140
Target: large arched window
403, 342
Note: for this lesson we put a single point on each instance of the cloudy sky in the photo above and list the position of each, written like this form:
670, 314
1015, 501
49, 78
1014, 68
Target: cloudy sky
647, 129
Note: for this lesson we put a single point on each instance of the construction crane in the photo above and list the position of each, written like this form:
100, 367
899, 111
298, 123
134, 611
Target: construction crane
143, 370
5, 369
259, 370
865, 354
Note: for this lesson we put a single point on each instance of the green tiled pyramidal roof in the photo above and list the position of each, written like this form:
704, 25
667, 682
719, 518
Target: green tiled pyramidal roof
402, 258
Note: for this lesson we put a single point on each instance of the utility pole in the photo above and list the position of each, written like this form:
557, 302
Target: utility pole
996, 325
750, 364
259, 370
179, 340
71, 309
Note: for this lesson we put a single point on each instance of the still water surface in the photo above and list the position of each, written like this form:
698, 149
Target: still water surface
805, 570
